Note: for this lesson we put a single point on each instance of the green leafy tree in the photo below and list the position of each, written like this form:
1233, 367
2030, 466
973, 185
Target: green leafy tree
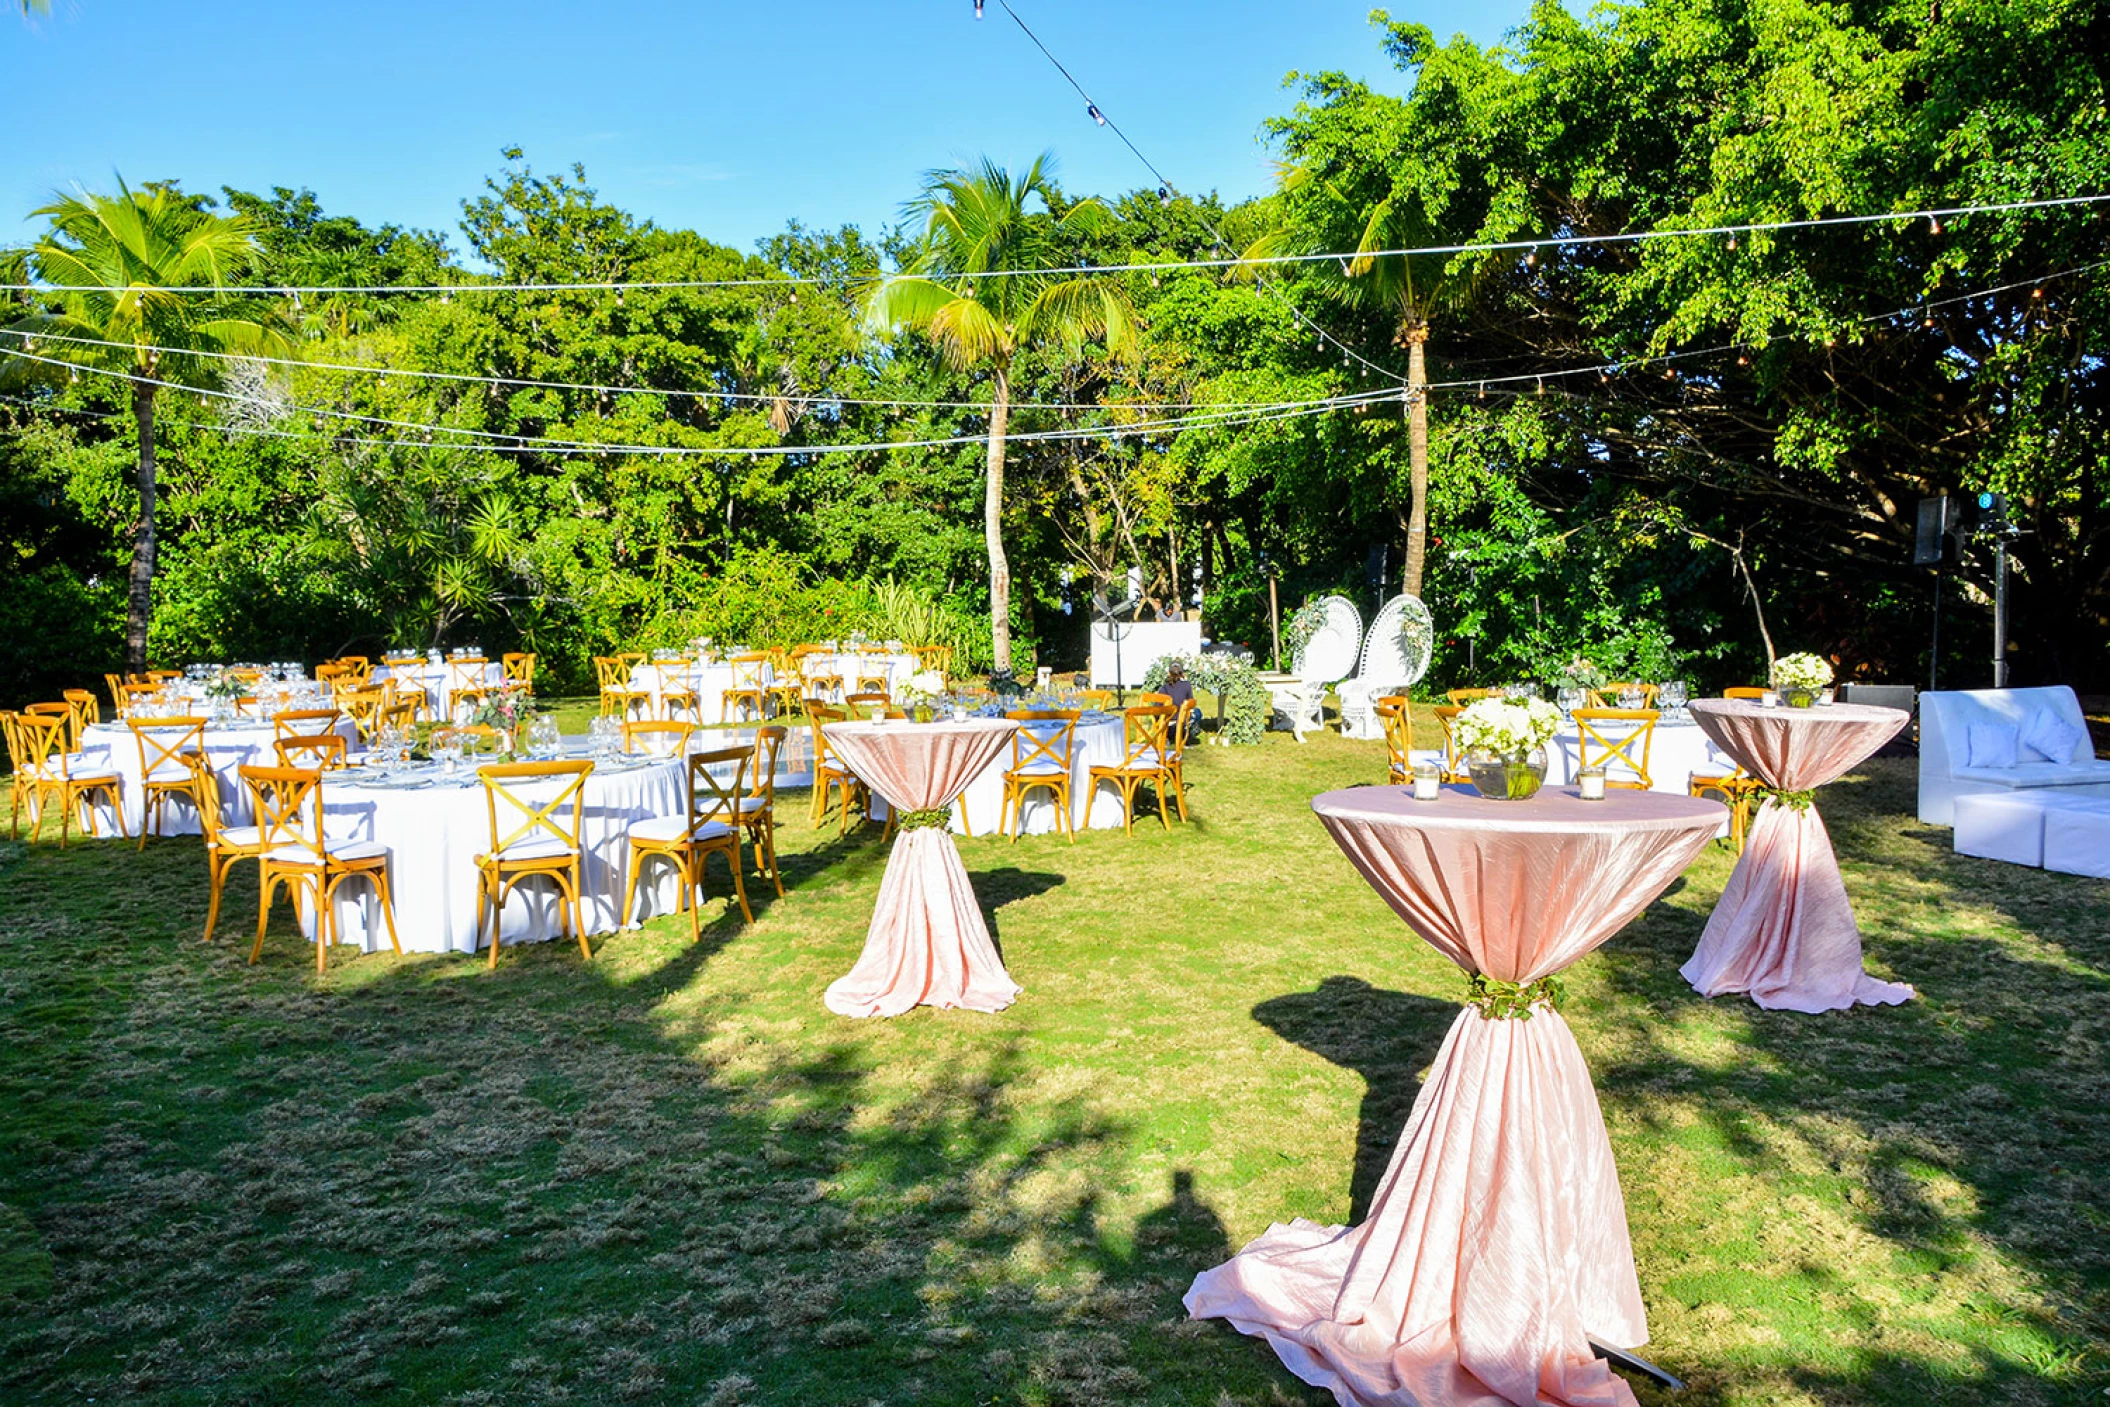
126, 261
980, 286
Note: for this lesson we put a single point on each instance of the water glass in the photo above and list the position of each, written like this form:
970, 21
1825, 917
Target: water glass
1632, 698
1571, 698
1673, 695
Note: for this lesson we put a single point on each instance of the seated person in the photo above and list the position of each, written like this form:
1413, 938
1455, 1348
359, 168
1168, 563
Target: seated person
1181, 692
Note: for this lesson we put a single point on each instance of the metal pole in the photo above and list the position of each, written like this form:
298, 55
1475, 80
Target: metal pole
1934, 659
2000, 613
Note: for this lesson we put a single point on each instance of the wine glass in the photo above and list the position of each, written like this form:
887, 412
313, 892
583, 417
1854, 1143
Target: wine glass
1673, 695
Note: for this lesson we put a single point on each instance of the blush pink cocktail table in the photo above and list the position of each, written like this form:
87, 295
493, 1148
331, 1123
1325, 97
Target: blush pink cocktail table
1496, 1245
1783, 932
927, 945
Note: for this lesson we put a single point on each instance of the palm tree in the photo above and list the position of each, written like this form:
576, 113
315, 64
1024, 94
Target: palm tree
123, 260
1404, 288
979, 286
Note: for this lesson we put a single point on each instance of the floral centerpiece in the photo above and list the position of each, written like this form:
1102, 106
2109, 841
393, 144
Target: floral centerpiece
921, 691
226, 687
1505, 744
1799, 678
509, 712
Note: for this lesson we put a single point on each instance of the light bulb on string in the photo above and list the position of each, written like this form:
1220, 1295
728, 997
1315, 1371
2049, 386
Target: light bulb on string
1164, 194
978, 8
1732, 244
1933, 225
1531, 260
1542, 385
1091, 110
1483, 390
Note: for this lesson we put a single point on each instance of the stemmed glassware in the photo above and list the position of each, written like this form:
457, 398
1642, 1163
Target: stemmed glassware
1673, 695
1571, 698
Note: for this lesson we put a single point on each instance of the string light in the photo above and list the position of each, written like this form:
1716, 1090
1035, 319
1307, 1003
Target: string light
978, 8
1091, 110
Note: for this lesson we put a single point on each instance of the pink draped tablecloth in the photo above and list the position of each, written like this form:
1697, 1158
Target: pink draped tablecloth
1496, 1246
927, 945
1783, 932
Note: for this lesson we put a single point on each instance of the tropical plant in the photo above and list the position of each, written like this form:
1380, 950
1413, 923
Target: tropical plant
982, 285
119, 266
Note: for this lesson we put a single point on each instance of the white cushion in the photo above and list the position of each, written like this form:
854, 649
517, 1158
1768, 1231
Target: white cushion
1991, 745
2054, 739
338, 850
2040, 774
666, 829
1043, 767
240, 837
538, 845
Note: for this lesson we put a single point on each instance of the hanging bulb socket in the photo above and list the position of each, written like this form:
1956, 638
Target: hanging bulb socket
978, 8
1531, 260
1091, 110
1732, 244
1164, 194
1933, 225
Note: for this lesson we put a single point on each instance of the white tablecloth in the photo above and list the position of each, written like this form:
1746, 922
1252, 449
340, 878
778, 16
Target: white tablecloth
435, 833
111, 747
437, 679
1098, 743
710, 681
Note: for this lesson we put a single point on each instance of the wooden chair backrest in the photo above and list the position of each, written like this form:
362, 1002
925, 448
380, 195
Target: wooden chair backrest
162, 743
1044, 734
324, 752
519, 667
542, 817
1611, 749
283, 799
711, 799
660, 739
1146, 736
1745, 692
304, 722
1608, 696
768, 742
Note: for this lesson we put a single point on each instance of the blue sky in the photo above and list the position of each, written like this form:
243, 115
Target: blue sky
725, 118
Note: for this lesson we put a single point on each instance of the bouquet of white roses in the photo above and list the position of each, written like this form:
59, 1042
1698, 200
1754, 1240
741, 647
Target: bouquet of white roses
923, 687
1506, 726
1803, 671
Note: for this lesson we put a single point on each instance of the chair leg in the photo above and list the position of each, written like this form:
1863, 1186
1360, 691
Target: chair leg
216, 872
1179, 791
569, 887
497, 885
388, 908
966, 826
739, 884
1159, 784
266, 882
325, 909
1069, 821
637, 864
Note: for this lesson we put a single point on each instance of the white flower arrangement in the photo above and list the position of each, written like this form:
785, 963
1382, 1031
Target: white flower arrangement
1803, 671
923, 687
1506, 726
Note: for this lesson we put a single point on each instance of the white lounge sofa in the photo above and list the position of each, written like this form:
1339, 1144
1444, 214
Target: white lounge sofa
1964, 748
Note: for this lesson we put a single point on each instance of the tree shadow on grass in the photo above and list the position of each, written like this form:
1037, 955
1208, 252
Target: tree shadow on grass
1386, 1037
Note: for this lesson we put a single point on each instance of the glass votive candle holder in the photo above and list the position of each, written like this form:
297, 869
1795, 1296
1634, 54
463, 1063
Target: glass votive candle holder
1769, 699
1428, 781
1589, 782
959, 713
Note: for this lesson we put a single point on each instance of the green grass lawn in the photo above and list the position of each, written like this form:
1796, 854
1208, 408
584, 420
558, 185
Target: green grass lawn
671, 1175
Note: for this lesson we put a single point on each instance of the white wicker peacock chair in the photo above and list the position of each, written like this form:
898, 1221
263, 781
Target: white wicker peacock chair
1326, 655
1395, 656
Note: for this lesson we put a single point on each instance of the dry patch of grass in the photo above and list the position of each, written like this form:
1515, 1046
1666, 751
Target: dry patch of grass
671, 1175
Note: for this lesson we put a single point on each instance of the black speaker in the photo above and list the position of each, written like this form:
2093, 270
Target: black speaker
1935, 541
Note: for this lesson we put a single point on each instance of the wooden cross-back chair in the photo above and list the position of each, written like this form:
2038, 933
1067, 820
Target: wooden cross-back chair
758, 809
304, 722
829, 775
1395, 717
165, 775
861, 706
656, 736
709, 824
365, 707
87, 711
1607, 696
116, 685
677, 689
319, 752
1043, 758
518, 668
1613, 748
750, 688
1751, 692
538, 844
1146, 750
1453, 755
293, 851
53, 774
618, 698
224, 844
466, 684
787, 687
1461, 697
937, 657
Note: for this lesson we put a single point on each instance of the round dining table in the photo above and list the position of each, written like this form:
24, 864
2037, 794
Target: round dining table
436, 823
1495, 1250
112, 747
1783, 932
927, 944
1099, 741
708, 680
436, 681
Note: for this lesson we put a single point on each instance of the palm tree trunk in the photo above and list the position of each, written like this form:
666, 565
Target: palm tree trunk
139, 603
1417, 460
993, 528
